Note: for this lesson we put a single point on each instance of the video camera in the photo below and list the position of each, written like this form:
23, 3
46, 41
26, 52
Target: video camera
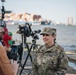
13, 54
34, 34
24, 29
27, 31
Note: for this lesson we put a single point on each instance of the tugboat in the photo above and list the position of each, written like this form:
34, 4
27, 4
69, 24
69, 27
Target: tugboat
45, 22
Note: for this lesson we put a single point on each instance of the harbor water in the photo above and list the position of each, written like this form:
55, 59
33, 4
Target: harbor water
66, 36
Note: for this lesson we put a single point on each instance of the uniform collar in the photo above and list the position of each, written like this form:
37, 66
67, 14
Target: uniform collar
51, 48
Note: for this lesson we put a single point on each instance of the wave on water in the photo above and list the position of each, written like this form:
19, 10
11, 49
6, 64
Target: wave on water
69, 46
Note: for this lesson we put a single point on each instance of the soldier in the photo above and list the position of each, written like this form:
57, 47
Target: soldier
50, 58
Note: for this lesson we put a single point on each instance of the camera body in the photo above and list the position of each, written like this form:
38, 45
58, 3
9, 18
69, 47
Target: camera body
34, 34
27, 31
24, 30
13, 54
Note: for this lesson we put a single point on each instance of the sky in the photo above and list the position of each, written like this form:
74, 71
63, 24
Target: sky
55, 10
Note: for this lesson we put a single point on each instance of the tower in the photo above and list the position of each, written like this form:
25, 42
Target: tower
70, 21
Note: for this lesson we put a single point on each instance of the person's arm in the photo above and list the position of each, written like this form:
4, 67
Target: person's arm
35, 64
63, 63
5, 65
34, 69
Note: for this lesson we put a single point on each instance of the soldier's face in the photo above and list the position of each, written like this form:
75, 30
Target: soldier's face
48, 39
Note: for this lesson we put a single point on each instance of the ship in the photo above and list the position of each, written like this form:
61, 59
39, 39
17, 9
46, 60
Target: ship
45, 22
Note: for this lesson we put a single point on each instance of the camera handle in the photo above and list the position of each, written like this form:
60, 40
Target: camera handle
29, 50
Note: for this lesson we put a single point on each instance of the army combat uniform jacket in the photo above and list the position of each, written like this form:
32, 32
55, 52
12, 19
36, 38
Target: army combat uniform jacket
50, 61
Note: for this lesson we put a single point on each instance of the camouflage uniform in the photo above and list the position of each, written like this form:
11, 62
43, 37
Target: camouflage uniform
50, 60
